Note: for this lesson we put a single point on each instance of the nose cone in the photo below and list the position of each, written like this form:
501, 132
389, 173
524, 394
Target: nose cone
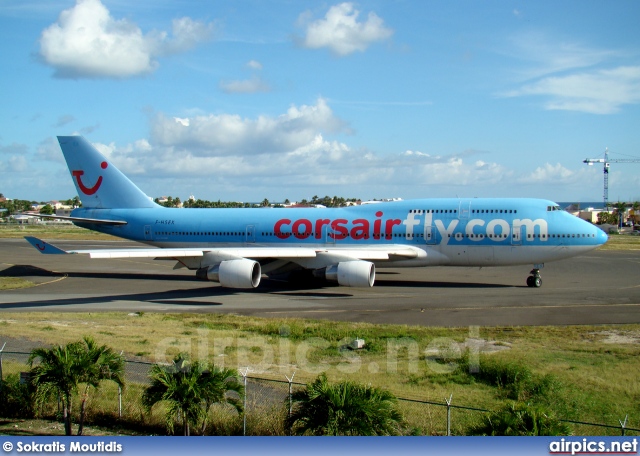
601, 236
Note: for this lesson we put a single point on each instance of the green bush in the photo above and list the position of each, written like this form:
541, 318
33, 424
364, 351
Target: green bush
514, 381
518, 419
16, 399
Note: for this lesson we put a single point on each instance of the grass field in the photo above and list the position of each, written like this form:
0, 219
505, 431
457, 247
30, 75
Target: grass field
12, 283
51, 231
622, 242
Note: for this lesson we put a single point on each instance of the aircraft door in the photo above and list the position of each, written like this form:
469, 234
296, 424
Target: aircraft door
430, 234
250, 234
148, 236
325, 234
464, 210
516, 235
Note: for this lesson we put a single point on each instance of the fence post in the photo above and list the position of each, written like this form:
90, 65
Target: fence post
120, 395
244, 406
290, 380
449, 414
119, 402
623, 424
1, 376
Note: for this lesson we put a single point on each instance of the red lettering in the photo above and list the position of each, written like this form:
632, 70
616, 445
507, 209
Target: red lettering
389, 227
278, 227
376, 226
319, 224
306, 229
341, 231
360, 229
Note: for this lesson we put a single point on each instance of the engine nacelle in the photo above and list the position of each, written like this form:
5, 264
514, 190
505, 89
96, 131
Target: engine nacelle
241, 273
352, 273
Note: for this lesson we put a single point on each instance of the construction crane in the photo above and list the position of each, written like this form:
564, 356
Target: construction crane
606, 163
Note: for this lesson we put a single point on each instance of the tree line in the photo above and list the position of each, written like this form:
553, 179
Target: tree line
615, 217
17, 205
326, 201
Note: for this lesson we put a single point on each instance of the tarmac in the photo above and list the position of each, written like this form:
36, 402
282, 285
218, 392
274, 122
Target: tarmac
602, 287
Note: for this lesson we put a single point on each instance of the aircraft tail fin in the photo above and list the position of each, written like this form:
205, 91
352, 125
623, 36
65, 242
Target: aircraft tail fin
99, 183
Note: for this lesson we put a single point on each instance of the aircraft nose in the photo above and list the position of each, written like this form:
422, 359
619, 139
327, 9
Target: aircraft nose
601, 236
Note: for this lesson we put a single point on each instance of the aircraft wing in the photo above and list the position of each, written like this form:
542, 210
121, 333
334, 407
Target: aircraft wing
320, 255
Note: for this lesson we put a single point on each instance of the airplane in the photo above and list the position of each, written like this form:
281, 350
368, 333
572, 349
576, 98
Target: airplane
236, 247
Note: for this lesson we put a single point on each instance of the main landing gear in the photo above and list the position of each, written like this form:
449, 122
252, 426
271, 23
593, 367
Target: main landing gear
534, 280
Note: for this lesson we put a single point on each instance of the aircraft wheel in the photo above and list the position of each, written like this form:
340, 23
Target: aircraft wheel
537, 282
530, 281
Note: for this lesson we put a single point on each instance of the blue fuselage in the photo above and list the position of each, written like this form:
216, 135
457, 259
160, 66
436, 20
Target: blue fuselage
453, 231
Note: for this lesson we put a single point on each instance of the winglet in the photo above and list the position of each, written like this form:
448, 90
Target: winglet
44, 247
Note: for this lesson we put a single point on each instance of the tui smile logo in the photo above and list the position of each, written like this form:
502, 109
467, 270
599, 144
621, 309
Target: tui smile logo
83, 188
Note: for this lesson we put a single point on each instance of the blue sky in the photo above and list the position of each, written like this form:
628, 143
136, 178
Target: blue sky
246, 100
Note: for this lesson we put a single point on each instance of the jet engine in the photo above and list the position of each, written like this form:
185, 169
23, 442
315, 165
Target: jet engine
352, 273
241, 273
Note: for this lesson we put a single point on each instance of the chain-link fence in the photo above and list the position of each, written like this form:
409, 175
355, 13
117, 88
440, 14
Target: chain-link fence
267, 403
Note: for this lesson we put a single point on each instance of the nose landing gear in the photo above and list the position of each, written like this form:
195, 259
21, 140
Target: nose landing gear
534, 280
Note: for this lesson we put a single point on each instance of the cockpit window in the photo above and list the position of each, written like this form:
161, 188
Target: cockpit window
553, 208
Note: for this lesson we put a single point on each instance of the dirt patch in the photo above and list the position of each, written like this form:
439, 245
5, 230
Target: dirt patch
484, 346
35, 427
619, 337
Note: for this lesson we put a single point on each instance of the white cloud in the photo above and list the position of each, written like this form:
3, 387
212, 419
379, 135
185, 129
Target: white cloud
572, 76
293, 155
254, 65
417, 153
341, 32
545, 55
253, 85
14, 149
596, 92
187, 34
49, 150
323, 166
549, 174
229, 134
87, 42
15, 164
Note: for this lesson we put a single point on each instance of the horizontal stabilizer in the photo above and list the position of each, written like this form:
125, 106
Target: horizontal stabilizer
80, 219
44, 247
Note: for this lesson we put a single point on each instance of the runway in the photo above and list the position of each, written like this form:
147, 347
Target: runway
602, 287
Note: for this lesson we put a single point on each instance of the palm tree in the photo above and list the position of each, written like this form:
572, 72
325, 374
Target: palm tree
216, 383
62, 369
189, 390
621, 208
344, 408
518, 419
636, 207
103, 364
47, 209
